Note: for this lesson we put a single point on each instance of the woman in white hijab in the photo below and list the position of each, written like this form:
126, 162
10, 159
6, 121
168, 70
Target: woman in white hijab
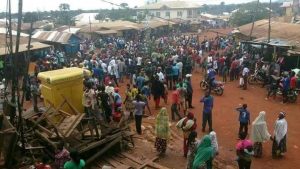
279, 140
259, 133
214, 142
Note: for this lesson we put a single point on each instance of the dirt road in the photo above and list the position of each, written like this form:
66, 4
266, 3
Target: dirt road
225, 123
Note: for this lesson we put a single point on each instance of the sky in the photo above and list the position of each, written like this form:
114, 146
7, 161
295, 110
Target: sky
46, 5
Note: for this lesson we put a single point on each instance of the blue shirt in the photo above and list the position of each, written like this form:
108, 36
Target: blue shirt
211, 74
208, 104
175, 71
286, 83
140, 81
244, 115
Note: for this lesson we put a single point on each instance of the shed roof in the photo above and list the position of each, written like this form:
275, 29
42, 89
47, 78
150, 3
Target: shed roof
53, 36
279, 30
171, 5
23, 47
115, 25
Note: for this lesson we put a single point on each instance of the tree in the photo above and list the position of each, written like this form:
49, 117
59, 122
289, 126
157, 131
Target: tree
30, 17
124, 5
65, 17
245, 14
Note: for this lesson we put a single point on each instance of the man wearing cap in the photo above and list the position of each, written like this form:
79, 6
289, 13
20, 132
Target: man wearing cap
189, 90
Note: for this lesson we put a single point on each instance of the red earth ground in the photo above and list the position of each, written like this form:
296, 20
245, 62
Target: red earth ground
225, 123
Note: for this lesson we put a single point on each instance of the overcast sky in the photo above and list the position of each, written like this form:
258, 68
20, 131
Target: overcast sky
43, 5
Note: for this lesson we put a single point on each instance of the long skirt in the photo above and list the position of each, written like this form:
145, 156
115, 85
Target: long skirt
257, 147
161, 145
278, 149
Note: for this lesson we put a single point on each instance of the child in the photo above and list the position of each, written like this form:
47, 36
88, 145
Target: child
146, 90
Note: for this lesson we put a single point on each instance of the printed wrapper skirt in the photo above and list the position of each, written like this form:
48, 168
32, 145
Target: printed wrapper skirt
160, 145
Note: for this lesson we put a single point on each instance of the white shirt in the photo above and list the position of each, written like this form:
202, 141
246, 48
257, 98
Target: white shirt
161, 76
139, 61
245, 71
174, 58
104, 67
209, 59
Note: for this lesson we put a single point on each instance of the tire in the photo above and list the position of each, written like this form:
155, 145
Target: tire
292, 99
251, 80
219, 91
203, 85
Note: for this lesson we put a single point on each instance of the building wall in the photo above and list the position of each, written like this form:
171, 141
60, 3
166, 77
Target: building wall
177, 13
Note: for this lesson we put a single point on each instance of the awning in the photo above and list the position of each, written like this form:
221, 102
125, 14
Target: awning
23, 48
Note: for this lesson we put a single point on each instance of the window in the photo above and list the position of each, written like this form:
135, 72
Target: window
168, 14
179, 13
157, 14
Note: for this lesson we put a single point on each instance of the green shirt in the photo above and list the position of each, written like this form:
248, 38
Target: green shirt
72, 165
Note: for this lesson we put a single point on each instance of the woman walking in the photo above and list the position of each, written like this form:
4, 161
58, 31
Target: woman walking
187, 125
259, 133
279, 140
193, 144
162, 131
205, 154
214, 142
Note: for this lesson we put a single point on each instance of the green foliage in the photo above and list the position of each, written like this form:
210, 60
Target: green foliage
248, 12
30, 17
65, 18
116, 14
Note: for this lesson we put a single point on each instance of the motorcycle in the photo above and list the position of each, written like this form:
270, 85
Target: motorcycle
218, 87
292, 95
257, 77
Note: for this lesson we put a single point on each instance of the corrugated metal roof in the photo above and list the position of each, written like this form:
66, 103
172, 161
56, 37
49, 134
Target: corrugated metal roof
115, 25
23, 47
171, 5
53, 36
284, 31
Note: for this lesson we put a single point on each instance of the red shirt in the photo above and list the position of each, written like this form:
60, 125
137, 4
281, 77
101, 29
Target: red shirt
42, 166
293, 82
175, 97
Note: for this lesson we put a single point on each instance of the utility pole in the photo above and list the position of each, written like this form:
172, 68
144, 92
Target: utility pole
270, 14
253, 20
16, 71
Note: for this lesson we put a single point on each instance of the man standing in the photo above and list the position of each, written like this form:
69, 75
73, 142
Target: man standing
245, 76
208, 102
175, 103
244, 118
189, 90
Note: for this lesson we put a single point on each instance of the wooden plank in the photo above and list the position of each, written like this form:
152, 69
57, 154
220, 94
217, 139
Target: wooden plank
71, 106
117, 164
129, 156
102, 151
74, 125
99, 143
152, 164
45, 139
126, 161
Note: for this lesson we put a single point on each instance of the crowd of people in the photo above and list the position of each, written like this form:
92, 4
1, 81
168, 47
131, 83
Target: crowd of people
158, 66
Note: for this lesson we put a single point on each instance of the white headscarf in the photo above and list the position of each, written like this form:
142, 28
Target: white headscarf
260, 131
280, 129
214, 141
